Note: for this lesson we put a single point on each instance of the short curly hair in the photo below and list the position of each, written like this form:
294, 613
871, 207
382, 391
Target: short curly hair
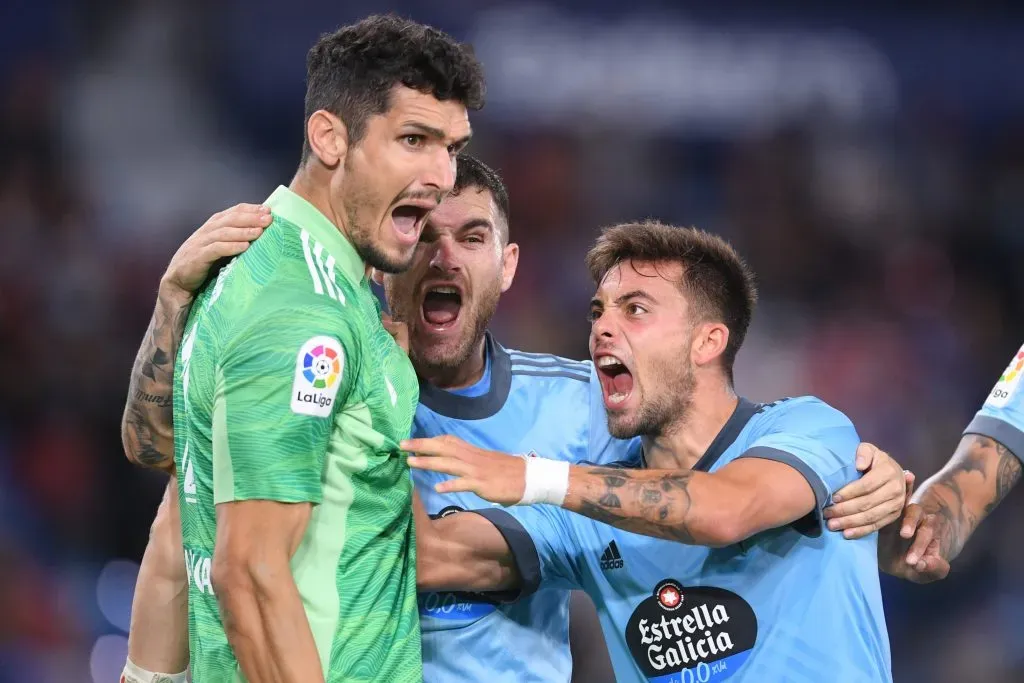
352, 71
475, 174
715, 277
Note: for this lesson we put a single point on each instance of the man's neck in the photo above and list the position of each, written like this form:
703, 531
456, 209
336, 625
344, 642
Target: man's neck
464, 375
306, 186
682, 445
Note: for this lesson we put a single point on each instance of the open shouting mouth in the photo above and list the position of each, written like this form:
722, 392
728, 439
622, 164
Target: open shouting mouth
408, 219
442, 304
616, 380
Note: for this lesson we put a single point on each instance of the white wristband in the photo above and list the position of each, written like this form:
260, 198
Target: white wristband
134, 673
547, 481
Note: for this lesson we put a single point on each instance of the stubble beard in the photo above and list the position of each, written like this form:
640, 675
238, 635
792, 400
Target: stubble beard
448, 357
664, 411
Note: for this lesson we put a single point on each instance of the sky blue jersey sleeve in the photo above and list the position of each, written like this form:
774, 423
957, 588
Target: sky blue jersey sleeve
813, 438
543, 543
1002, 415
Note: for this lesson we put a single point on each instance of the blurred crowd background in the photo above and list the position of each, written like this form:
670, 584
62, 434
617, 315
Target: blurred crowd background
868, 161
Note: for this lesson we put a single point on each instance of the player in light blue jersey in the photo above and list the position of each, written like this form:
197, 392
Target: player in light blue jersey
509, 400
951, 505
708, 561
524, 403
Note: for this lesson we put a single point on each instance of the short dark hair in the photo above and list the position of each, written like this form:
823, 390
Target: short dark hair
475, 174
715, 278
352, 71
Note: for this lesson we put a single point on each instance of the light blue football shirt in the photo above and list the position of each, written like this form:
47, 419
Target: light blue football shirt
797, 604
1002, 415
525, 403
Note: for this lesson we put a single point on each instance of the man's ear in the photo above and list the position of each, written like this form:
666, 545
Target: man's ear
509, 263
709, 342
328, 137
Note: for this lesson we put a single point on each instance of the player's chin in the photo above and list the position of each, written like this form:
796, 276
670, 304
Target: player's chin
393, 259
438, 350
621, 425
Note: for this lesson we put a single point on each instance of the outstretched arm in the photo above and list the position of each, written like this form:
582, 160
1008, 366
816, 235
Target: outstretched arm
147, 428
743, 498
746, 496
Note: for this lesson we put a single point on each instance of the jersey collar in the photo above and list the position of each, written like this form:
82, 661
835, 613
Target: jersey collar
726, 436
457, 407
291, 207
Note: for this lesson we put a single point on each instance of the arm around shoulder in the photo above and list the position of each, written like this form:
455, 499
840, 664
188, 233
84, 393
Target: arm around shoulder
463, 551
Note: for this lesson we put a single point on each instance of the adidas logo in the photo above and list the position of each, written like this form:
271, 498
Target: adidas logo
610, 558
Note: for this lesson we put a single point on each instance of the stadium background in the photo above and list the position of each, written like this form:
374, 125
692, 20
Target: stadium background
869, 162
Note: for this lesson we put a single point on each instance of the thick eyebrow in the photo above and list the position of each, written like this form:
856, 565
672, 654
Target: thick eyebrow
476, 223
437, 133
635, 294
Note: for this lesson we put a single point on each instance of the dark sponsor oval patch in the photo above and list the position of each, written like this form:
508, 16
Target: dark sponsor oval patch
691, 635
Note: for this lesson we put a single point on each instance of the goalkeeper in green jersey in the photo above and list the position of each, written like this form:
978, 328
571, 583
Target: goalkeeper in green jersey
290, 396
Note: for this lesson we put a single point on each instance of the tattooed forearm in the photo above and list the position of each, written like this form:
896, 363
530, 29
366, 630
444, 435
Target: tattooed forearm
646, 502
969, 487
160, 401
1007, 474
147, 428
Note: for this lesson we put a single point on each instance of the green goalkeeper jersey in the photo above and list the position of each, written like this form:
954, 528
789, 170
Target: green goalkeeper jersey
288, 388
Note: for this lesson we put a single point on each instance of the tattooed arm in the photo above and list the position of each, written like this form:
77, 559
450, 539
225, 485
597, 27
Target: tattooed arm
967, 489
147, 428
948, 508
747, 496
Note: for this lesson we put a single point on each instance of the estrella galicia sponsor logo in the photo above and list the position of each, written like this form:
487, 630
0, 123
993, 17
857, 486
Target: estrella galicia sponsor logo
691, 635
455, 606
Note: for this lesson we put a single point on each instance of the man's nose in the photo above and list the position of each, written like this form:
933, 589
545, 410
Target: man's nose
603, 328
444, 257
439, 175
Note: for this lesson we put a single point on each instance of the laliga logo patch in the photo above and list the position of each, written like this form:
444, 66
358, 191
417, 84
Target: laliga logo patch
1008, 382
691, 635
318, 372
